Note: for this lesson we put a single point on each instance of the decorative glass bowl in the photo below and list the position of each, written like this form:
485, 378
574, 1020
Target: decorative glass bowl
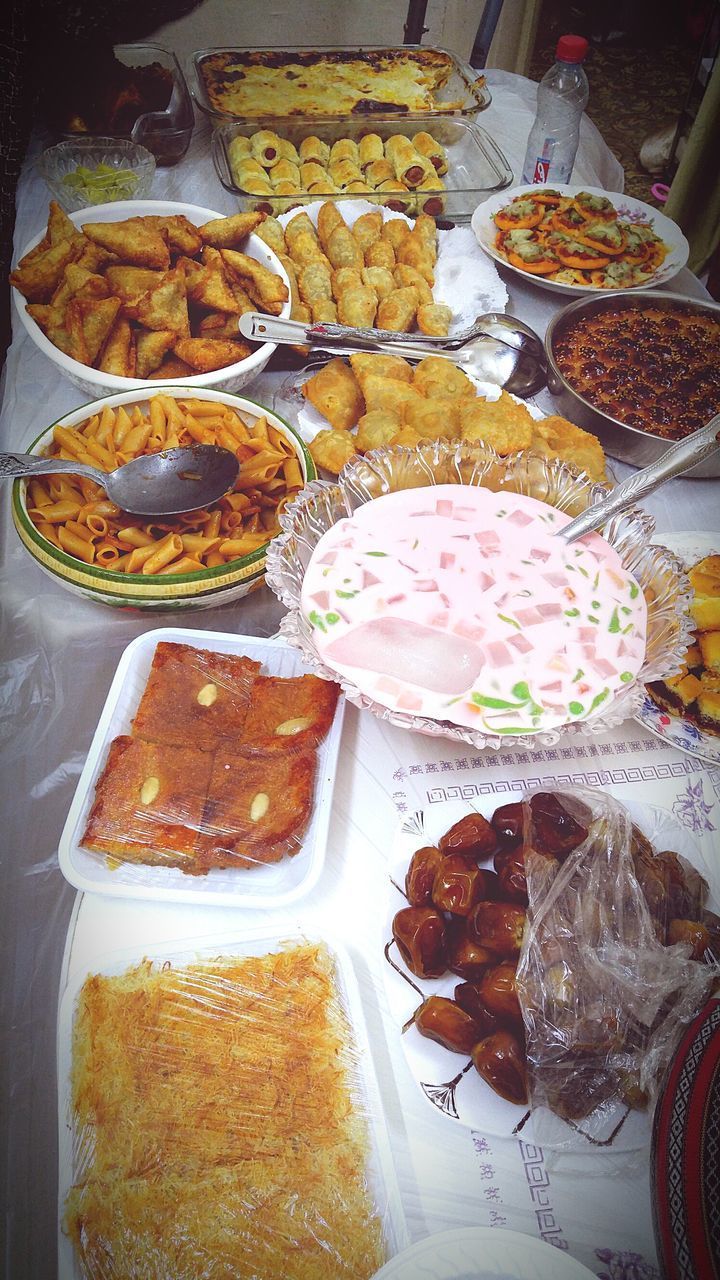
93, 171
321, 504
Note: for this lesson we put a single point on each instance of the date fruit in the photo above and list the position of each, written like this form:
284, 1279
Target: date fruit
459, 884
445, 1021
465, 957
691, 931
508, 824
500, 1060
420, 936
512, 880
420, 875
498, 926
467, 995
472, 835
498, 991
555, 831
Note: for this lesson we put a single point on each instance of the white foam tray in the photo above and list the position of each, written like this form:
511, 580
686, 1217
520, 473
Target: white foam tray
381, 1176
272, 885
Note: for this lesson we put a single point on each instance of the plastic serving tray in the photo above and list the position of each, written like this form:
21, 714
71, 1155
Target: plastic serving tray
476, 166
381, 1176
269, 886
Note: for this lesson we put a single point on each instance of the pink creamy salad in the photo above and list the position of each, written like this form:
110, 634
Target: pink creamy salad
456, 603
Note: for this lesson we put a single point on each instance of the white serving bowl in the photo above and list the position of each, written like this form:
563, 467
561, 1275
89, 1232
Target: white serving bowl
203, 590
96, 383
659, 573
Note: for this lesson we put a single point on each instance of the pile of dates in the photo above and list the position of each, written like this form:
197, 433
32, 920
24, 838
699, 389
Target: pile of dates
469, 920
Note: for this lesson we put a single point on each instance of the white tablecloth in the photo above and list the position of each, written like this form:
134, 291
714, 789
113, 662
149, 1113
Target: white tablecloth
59, 655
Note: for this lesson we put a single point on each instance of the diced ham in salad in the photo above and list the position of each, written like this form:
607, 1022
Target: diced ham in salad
456, 603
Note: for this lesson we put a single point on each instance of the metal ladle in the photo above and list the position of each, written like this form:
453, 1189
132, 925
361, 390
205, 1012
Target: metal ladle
496, 348
680, 458
155, 484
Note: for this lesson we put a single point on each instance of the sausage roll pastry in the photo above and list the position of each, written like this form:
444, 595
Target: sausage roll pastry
366, 229
410, 167
289, 151
396, 196
344, 149
397, 311
313, 148
434, 319
324, 187
238, 149
357, 307
284, 189
432, 150
311, 172
266, 147
379, 171
380, 279
430, 197
249, 167
370, 149
343, 172
335, 393
285, 171
359, 188
342, 249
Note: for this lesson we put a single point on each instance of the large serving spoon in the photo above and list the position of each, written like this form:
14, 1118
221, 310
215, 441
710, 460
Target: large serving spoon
496, 348
678, 459
155, 484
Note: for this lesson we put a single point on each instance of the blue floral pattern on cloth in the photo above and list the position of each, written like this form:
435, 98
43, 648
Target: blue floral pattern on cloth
691, 808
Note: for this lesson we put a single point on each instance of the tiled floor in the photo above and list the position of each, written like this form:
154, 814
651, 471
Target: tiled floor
638, 81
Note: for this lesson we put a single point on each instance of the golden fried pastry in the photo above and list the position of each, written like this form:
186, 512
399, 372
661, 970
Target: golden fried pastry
149, 803
195, 696
506, 427
362, 362
330, 450
434, 376
558, 438
335, 393
376, 429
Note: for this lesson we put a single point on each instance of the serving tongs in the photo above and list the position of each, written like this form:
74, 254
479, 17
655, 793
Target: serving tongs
496, 348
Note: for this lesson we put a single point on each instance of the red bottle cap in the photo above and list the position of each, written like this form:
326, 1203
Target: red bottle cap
571, 49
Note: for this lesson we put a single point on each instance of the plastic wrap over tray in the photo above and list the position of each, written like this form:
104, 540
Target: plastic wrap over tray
611, 968
222, 1119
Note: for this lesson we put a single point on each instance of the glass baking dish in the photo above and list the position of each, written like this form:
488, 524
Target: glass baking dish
476, 165
167, 132
462, 93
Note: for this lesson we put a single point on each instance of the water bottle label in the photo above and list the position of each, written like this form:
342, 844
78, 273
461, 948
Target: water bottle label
541, 170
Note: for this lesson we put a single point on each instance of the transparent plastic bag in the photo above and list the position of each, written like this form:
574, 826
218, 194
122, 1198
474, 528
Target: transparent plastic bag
605, 989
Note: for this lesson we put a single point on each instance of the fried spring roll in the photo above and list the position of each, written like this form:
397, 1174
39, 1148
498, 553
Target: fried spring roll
329, 217
366, 229
343, 250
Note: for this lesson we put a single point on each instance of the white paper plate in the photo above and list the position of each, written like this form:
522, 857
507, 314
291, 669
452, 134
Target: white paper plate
483, 1253
464, 279
674, 729
448, 1080
268, 886
381, 1175
629, 210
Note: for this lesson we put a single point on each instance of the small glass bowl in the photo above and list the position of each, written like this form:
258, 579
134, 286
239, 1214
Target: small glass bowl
321, 504
93, 171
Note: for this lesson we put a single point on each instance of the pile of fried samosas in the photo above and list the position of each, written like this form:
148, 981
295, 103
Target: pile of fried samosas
147, 297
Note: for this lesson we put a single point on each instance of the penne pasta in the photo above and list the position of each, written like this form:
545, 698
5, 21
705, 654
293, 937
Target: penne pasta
74, 513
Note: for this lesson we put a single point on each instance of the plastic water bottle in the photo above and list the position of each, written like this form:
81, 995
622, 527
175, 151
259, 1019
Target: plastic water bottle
562, 97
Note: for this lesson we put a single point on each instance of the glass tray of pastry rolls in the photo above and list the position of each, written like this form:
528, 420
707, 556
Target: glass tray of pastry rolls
444, 167
209, 779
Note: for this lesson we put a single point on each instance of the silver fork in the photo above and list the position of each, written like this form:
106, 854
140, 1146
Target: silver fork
496, 348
